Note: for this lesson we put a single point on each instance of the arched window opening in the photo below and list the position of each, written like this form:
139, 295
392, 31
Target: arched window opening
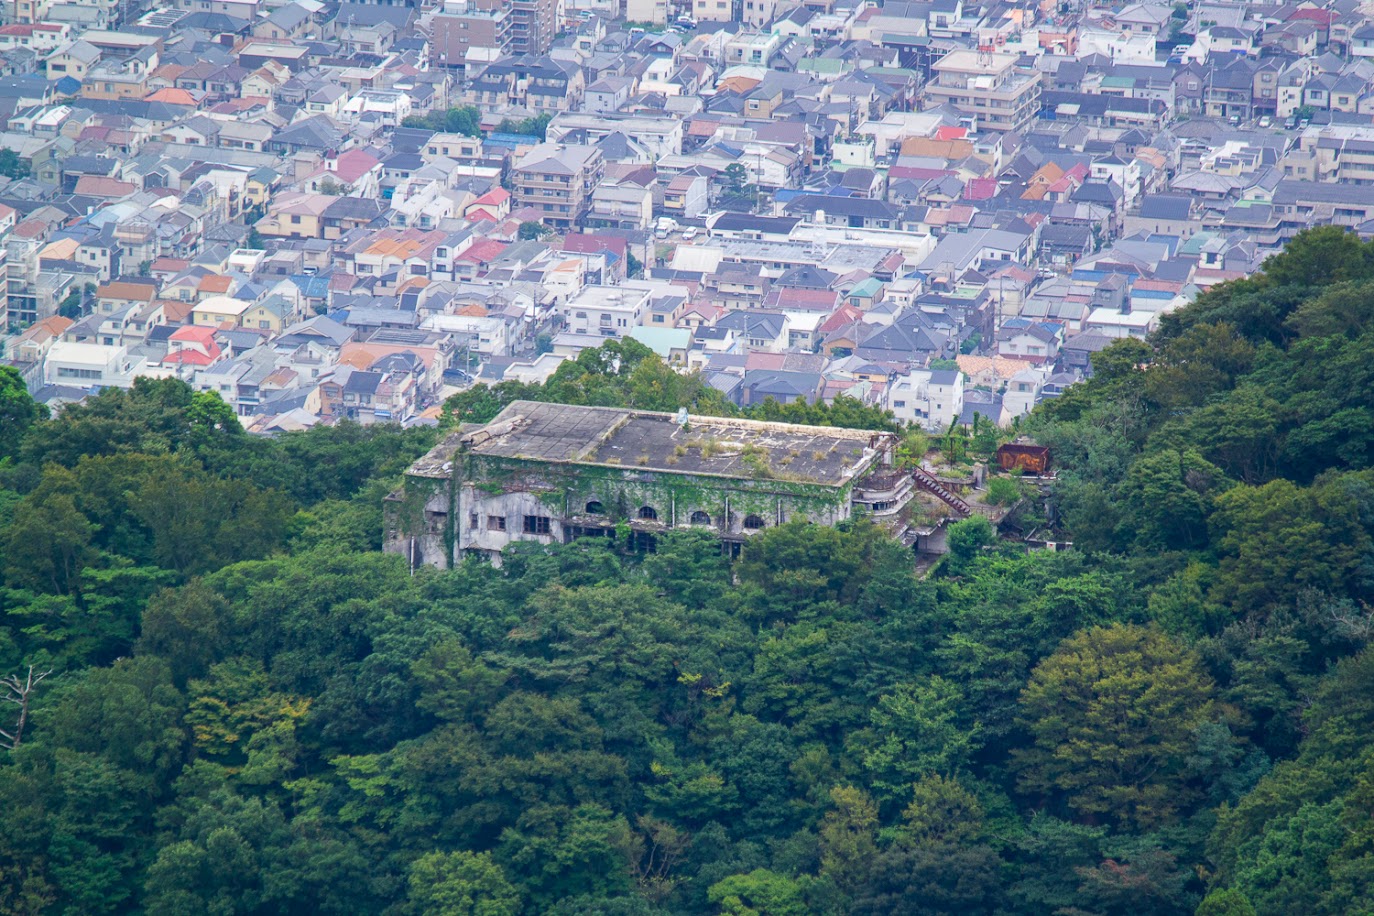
700, 518
595, 508
648, 513
753, 522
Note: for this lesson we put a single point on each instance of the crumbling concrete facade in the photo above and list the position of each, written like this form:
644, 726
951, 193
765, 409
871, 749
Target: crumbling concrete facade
551, 473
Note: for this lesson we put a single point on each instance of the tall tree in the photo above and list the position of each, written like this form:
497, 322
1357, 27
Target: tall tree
1112, 715
18, 411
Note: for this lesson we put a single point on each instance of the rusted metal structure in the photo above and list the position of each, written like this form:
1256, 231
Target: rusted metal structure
1031, 459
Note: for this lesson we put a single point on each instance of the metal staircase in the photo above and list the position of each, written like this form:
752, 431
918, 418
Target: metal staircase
930, 484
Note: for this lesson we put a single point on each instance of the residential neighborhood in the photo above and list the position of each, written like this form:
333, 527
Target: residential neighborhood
328, 211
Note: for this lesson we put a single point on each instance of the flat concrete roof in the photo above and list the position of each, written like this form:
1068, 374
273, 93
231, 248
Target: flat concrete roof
718, 446
969, 61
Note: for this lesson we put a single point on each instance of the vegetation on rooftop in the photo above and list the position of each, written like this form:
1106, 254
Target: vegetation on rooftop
248, 709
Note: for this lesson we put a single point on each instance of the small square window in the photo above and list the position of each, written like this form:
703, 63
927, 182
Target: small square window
496, 523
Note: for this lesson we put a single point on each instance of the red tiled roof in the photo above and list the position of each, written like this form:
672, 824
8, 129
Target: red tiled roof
1322, 17
194, 333
172, 96
483, 251
582, 243
980, 189
496, 196
191, 357
844, 315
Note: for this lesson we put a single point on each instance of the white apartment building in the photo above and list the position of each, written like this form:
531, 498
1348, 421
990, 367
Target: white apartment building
929, 398
606, 311
86, 365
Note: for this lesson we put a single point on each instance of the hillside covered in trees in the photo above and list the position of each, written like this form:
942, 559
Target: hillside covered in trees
248, 709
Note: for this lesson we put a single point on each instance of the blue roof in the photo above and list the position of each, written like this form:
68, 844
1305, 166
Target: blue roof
68, 85
314, 287
511, 140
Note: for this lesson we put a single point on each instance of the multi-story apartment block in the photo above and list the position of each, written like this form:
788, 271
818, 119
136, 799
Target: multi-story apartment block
533, 23
987, 85
557, 181
455, 34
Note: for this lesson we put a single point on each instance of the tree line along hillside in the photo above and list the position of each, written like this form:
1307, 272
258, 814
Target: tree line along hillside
233, 703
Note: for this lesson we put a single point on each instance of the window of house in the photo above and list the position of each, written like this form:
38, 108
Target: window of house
595, 508
700, 518
537, 524
754, 522
648, 513
496, 523
899, 403
472, 519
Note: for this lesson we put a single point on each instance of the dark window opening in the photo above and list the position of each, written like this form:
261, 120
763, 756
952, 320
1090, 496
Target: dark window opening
700, 518
496, 523
537, 524
595, 508
648, 513
573, 532
753, 522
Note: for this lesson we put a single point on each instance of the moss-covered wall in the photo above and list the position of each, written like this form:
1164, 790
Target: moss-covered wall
566, 488
434, 519
422, 512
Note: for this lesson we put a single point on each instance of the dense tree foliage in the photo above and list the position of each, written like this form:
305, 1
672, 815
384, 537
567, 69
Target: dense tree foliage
253, 710
465, 120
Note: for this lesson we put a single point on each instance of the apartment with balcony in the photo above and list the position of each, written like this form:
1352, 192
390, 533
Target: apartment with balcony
468, 27
557, 181
987, 85
533, 25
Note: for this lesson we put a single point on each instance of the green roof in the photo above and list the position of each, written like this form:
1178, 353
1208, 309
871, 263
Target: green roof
824, 65
662, 341
868, 288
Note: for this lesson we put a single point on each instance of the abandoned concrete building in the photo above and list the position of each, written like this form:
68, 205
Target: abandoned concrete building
553, 473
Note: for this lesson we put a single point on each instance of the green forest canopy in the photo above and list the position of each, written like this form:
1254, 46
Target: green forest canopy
252, 710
